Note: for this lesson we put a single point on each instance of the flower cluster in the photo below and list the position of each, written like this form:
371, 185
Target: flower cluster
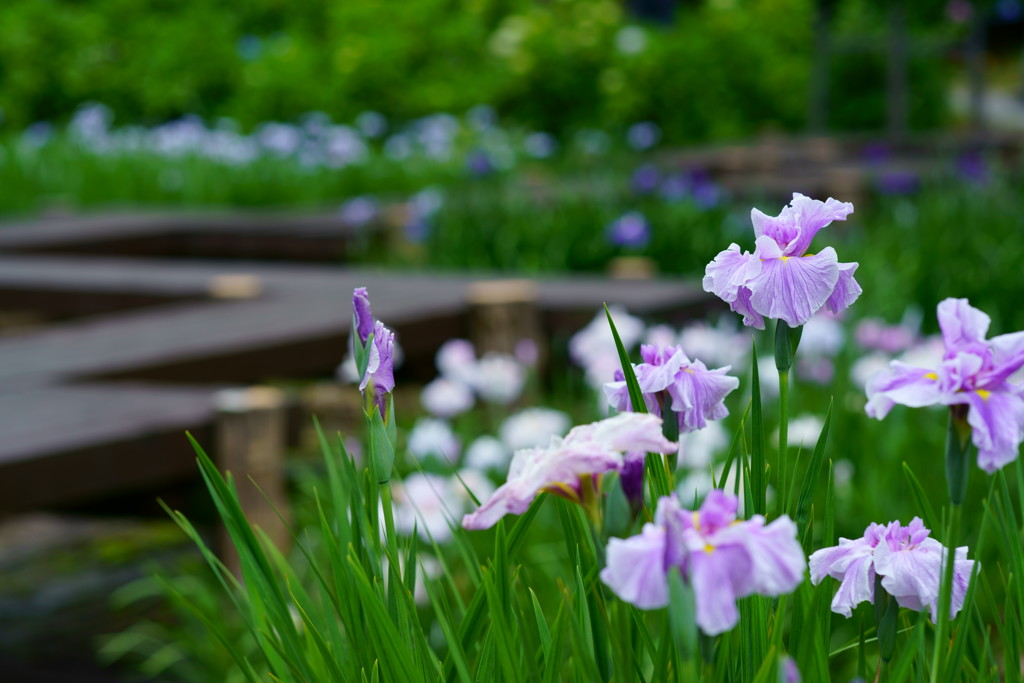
568, 465
722, 558
974, 372
697, 394
780, 280
908, 561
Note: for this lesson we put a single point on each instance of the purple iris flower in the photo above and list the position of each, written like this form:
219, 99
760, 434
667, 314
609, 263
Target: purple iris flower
363, 316
479, 163
780, 279
974, 372
568, 464
908, 561
629, 230
697, 394
722, 558
380, 364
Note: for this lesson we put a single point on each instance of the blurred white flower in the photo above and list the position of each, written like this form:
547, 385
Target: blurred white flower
717, 346
866, 366
456, 360
372, 124
926, 354
823, 335
804, 431
446, 398
768, 376
533, 428
643, 135
498, 378
431, 437
661, 335
488, 454
698, 448
540, 145
593, 347
424, 502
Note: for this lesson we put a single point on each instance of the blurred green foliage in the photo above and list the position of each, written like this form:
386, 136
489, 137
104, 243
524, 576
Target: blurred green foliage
722, 69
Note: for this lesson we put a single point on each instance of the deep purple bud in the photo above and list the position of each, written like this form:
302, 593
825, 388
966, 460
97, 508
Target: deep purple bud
631, 474
364, 319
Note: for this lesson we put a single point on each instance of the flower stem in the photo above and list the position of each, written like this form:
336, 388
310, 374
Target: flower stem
783, 433
945, 590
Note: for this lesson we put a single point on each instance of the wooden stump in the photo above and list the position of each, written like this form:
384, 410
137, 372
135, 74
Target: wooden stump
504, 313
251, 428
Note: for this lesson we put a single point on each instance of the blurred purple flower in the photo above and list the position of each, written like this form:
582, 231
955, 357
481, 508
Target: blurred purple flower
644, 135
971, 166
359, 211
898, 182
722, 558
706, 194
959, 11
675, 187
478, 163
974, 373
906, 558
629, 230
372, 124
1009, 11
645, 179
877, 153
873, 334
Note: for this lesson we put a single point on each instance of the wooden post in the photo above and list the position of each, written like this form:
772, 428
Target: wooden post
502, 314
251, 427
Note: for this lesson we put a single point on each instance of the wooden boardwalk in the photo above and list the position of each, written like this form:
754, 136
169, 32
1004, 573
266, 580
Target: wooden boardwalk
96, 405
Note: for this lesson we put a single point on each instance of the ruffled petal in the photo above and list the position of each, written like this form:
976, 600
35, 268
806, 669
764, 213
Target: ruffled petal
636, 570
730, 270
851, 563
794, 288
698, 394
847, 289
962, 325
653, 378
778, 560
742, 305
623, 432
911, 575
903, 384
997, 424
1007, 356
797, 224
714, 576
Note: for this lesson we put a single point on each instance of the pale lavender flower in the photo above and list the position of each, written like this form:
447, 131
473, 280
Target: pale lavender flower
629, 230
586, 452
789, 672
446, 398
498, 378
431, 437
359, 211
487, 454
780, 279
532, 428
974, 372
722, 558
697, 394
908, 561
875, 334
456, 360
593, 347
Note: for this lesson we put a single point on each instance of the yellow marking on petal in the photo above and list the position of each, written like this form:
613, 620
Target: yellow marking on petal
931, 375
696, 520
708, 548
984, 393
688, 370
562, 489
783, 258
